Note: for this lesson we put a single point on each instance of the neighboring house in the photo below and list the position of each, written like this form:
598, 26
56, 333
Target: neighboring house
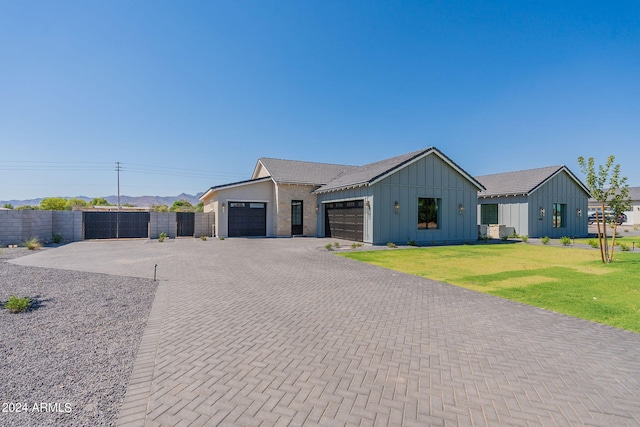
539, 202
421, 196
633, 215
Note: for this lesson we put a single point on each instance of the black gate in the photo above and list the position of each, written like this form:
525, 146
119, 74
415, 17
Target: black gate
110, 225
186, 224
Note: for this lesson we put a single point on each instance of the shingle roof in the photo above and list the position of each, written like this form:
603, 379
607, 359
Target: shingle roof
520, 182
634, 193
368, 174
301, 172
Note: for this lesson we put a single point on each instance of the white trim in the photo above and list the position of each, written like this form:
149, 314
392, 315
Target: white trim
344, 200
239, 184
232, 200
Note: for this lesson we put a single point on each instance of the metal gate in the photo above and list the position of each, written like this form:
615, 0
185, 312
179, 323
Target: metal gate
111, 225
186, 224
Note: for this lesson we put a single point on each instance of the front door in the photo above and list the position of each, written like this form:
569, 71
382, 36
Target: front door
296, 217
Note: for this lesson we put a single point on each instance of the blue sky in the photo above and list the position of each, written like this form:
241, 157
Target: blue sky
188, 95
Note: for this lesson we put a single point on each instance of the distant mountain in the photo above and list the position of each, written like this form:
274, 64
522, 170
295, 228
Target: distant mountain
140, 201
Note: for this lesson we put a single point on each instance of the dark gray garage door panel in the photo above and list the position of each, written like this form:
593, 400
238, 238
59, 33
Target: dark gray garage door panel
247, 219
344, 220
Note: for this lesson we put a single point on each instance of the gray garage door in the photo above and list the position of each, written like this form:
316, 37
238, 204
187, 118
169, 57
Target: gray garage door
344, 220
247, 219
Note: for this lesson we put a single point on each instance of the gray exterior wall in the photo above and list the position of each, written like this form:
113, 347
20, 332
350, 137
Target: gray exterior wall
17, 226
427, 177
512, 212
560, 189
163, 222
523, 212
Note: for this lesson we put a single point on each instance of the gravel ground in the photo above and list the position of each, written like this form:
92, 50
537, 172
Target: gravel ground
67, 361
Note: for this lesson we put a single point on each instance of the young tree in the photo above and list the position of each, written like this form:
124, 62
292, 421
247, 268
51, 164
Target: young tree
181, 206
8, 206
609, 189
99, 201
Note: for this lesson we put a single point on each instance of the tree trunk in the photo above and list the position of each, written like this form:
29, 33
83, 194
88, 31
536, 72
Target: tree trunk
604, 236
613, 239
600, 245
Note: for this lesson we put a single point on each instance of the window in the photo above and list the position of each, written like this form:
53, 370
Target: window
428, 213
559, 215
489, 214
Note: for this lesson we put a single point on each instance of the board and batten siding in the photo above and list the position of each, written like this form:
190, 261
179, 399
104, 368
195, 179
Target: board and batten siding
512, 212
428, 177
560, 189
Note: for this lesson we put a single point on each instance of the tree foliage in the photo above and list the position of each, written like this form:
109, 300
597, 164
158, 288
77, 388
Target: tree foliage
8, 206
75, 203
182, 206
99, 201
53, 204
608, 188
160, 208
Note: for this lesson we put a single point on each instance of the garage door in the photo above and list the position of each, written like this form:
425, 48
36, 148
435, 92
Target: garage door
344, 220
247, 219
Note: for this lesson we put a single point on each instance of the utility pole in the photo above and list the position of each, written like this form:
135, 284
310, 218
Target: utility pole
118, 213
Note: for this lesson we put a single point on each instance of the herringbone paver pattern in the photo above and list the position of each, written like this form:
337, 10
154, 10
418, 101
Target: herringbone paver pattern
272, 332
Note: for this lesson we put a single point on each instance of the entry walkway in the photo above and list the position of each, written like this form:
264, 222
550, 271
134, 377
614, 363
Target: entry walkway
262, 332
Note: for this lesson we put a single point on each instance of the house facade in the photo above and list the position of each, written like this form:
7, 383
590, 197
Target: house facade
421, 196
549, 201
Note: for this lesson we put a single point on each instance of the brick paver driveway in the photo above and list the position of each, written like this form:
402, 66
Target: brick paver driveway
282, 332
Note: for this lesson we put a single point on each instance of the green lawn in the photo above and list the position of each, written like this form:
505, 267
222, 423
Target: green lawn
563, 279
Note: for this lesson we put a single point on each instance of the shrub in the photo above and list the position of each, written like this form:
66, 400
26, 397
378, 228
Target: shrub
525, 238
626, 230
355, 246
565, 240
412, 243
329, 246
636, 228
392, 245
162, 236
593, 243
57, 238
624, 247
203, 238
220, 238
33, 244
17, 305
545, 240
505, 238
336, 245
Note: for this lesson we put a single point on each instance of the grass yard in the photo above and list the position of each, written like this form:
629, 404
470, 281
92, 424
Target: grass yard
562, 279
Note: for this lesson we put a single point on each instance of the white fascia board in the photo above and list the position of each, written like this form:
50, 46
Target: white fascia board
234, 185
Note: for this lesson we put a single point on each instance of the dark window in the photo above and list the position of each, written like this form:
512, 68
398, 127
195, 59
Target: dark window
428, 213
559, 215
489, 214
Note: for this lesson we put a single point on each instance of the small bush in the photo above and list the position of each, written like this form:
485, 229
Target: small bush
17, 305
636, 228
565, 240
203, 238
412, 243
220, 238
524, 238
391, 245
626, 230
624, 247
33, 244
545, 240
593, 243
355, 246
162, 236
336, 245
329, 246
505, 238
57, 238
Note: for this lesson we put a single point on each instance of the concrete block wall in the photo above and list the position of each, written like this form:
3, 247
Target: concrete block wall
68, 224
17, 226
203, 224
163, 222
